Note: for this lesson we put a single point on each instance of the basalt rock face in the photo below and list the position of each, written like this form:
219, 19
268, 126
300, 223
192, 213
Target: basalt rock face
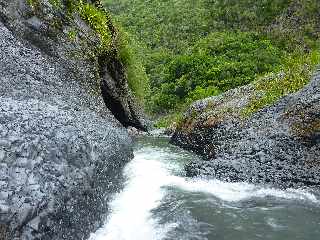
62, 34
61, 149
279, 145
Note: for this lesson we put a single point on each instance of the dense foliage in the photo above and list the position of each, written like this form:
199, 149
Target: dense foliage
218, 62
115, 39
194, 49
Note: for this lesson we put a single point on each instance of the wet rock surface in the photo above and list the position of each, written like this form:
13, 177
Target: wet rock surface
61, 149
279, 145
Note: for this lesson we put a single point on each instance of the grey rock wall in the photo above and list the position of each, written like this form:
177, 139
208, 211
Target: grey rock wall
61, 149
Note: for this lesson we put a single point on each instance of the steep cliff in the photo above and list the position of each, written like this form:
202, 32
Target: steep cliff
81, 36
64, 100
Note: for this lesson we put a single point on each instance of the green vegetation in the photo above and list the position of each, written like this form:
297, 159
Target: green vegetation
194, 49
245, 14
176, 52
72, 34
56, 3
96, 18
128, 53
295, 73
217, 63
113, 40
168, 119
98, 21
33, 3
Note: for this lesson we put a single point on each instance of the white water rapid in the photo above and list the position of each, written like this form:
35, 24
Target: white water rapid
157, 170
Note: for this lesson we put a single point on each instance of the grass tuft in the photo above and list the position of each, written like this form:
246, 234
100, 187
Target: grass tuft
295, 74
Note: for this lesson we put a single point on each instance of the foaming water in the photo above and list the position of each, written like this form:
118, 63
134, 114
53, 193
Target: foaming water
233, 192
131, 209
153, 170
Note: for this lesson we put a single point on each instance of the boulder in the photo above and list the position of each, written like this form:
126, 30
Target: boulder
278, 145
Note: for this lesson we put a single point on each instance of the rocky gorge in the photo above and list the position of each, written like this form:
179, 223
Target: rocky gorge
65, 102
76, 161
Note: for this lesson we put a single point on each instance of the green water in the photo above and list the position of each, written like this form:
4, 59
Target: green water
159, 202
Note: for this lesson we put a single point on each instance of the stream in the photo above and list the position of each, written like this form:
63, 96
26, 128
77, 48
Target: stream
159, 203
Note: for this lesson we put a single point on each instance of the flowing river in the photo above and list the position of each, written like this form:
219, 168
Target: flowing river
159, 203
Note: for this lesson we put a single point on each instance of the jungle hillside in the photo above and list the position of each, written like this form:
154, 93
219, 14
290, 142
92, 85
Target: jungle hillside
185, 50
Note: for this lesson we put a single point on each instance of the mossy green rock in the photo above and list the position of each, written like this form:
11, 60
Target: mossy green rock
278, 145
